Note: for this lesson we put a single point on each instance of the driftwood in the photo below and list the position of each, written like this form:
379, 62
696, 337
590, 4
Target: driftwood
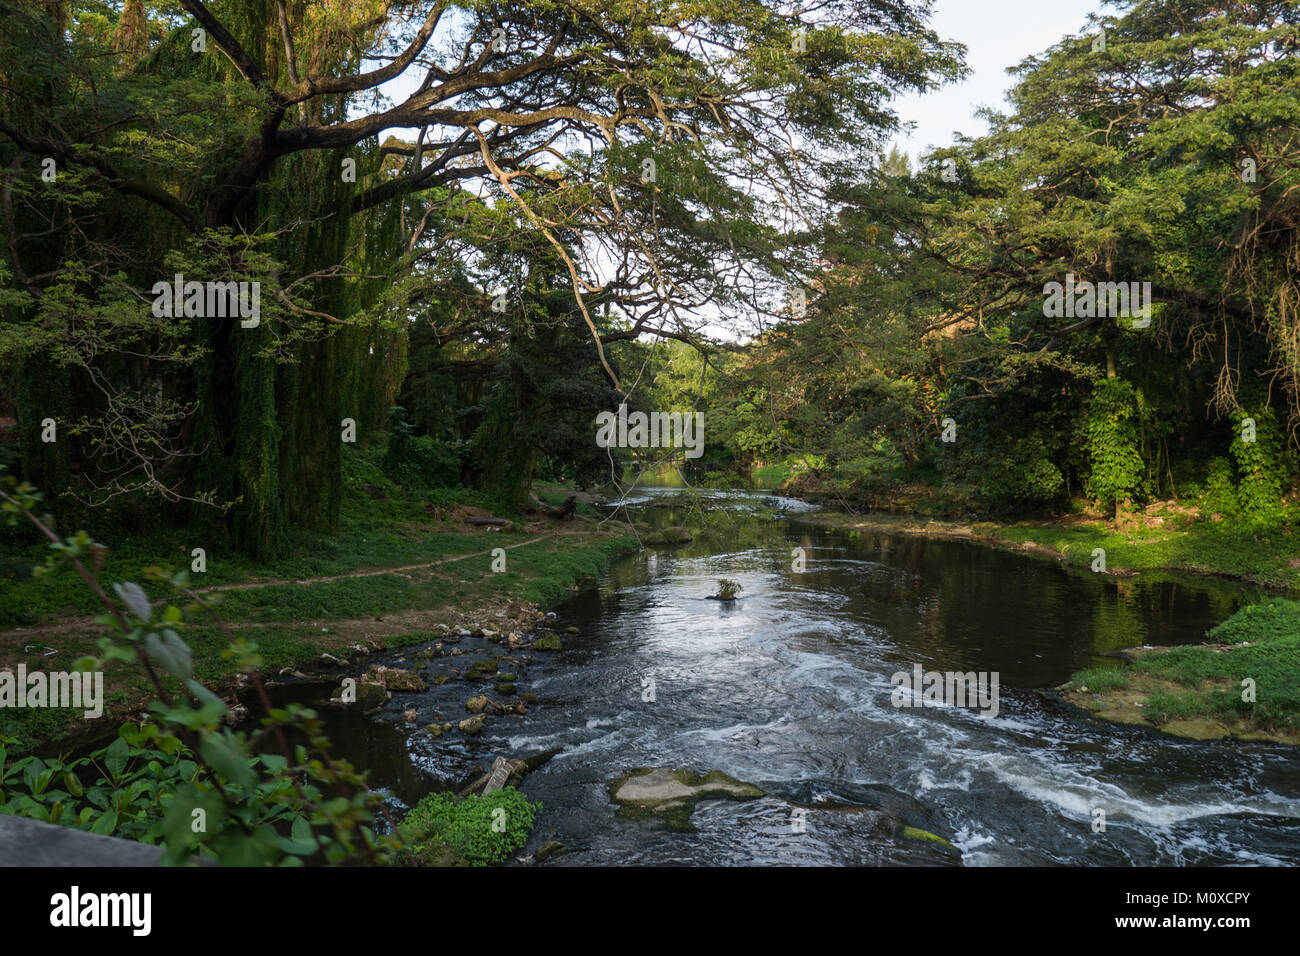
502, 770
505, 773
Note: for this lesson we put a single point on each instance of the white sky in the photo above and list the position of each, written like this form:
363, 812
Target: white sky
998, 34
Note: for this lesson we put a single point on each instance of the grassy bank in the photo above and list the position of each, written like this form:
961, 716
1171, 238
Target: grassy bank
401, 567
1246, 683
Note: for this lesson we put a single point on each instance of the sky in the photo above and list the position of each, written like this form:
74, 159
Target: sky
998, 34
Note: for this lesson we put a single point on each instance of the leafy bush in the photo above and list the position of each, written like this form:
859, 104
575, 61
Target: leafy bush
1262, 466
1006, 473
436, 463
145, 786
189, 782
483, 830
1113, 445
728, 590
1220, 494
420, 459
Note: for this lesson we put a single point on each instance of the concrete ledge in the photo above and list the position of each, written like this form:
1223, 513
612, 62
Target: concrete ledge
26, 842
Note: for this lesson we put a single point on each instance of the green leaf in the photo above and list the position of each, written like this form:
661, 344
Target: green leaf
300, 842
73, 784
136, 601
166, 649
132, 734
204, 696
223, 755
116, 756
33, 771
274, 762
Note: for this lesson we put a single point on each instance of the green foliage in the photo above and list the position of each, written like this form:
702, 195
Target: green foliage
1263, 468
1113, 448
1013, 473
188, 782
932, 300
146, 786
1220, 493
728, 590
421, 460
484, 830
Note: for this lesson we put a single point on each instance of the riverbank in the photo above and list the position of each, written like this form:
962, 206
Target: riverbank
402, 571
1244, 683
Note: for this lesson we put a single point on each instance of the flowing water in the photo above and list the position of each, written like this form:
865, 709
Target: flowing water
789, 688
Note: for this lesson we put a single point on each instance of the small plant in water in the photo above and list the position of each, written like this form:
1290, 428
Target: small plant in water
728, 590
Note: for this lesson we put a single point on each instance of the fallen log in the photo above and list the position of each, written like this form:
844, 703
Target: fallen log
495, 522
565, 510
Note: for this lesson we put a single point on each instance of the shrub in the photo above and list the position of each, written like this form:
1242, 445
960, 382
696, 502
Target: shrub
1263, 467
419, 459
728, 590
1220, 494
483, 830
1113, 446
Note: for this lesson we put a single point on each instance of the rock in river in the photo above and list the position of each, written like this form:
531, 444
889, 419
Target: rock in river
394, 678
672, 794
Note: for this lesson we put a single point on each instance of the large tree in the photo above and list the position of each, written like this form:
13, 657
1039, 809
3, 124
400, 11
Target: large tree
664, 153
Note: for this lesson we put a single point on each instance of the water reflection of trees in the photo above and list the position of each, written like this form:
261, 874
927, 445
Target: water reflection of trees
947, 604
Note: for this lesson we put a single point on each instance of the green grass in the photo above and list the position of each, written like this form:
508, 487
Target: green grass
292, 623
1195, 682
1272, 661
1259, 556
1100, 680
273, 616
372, 534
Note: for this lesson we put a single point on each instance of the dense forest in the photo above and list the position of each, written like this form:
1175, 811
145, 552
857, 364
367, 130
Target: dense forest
336, 288
561, 205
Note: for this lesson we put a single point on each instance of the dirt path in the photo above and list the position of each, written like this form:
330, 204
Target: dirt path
372, 572
64, 625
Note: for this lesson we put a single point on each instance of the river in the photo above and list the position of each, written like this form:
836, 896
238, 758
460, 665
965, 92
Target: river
789, 688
